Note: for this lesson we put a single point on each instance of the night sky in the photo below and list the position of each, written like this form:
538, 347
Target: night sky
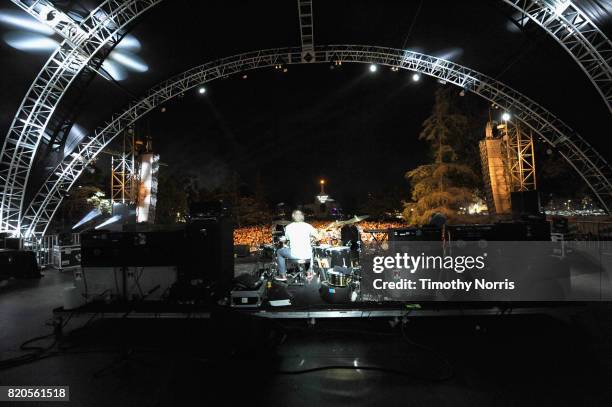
356, 129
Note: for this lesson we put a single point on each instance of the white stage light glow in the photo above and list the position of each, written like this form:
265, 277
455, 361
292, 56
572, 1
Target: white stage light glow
129, 60
201, 90
561, 6
108, 221
19, 20
416, 77
30, 42
130, 43
505, 116
76, 135
373, 68
94, 213
114, 69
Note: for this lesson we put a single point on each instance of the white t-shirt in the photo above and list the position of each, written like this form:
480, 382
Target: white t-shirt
299, 234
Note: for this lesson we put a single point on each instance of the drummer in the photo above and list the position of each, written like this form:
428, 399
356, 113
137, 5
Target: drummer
299, 234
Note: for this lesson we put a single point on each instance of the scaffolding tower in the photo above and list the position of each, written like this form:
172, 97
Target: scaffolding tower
520, 159
508, 164
124, 177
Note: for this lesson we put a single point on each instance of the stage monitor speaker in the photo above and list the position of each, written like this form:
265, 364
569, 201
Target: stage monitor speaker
424, 233
209, 209
209, 254
525, 203
471, 232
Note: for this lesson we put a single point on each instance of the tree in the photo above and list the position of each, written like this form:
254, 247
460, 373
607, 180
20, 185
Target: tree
445, 186
171, 198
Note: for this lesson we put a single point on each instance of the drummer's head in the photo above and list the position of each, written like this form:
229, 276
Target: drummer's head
297, 216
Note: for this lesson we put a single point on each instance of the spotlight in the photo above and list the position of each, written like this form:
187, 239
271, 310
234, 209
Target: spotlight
394, 69
505, 116
201, 90
373, 68
416, 77
462, 93
244, 76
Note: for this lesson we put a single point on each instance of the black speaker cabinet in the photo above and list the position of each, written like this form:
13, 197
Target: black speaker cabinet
18, 264
525, 203
209, 252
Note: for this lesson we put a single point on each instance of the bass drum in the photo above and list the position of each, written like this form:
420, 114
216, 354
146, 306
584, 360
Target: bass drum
336, 295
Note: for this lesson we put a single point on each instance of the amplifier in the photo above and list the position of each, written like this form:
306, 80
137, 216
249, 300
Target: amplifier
423, 233
115, 249
535, 230
103, 249
18, 264
471, 232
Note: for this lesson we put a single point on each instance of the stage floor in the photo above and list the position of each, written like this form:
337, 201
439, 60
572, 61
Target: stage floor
504, 359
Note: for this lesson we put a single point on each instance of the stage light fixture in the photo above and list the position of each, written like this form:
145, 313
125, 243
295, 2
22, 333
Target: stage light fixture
505, 116
373, 68
462, 93
416, 77
201, 90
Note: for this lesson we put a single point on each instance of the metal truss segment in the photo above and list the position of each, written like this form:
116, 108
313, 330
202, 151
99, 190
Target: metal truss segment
594, 170
590, 48
103, 28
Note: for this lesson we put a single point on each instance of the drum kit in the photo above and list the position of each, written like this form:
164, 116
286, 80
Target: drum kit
335, 259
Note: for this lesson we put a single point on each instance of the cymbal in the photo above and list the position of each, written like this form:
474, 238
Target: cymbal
355, 219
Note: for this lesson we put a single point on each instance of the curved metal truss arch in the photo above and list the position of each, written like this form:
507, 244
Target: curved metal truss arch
577, 34
103, 26
584, 159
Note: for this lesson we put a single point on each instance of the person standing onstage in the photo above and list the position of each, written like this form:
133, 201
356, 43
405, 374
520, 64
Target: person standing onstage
299, 234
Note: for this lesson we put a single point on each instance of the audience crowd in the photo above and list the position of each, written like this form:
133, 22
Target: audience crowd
254, 236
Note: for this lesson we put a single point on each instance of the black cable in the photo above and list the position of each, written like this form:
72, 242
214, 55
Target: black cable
414, 19
369, 368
